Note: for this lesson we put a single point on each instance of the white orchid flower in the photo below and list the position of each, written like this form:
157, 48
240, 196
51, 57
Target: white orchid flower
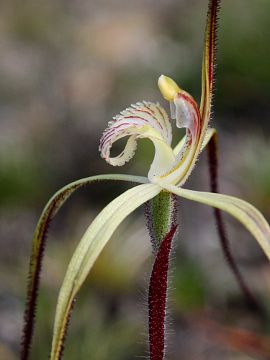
168, 172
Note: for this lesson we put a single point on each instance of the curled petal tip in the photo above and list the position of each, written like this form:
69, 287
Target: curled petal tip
168, 87
141, 120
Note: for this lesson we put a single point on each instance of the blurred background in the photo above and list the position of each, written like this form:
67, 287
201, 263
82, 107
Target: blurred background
67, 67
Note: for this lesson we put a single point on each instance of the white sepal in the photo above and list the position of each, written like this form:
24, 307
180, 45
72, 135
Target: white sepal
89, 248
244, 212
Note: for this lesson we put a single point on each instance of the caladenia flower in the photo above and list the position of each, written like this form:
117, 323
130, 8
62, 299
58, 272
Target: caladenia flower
167, 175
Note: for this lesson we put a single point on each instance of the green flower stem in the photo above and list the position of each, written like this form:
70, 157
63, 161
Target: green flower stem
161, 215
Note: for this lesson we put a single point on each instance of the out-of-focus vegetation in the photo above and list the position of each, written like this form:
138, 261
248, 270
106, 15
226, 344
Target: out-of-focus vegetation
66, 68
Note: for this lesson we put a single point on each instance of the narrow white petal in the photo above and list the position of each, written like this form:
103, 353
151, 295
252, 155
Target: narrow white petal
89, 248
247, 214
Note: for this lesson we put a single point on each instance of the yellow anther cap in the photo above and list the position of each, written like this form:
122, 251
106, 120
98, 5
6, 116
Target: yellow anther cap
168, 87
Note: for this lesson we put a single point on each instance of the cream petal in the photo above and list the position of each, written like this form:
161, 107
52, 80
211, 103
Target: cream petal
89, 248
247, 214
142, 120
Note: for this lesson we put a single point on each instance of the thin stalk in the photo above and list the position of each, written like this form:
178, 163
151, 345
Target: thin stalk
221, 229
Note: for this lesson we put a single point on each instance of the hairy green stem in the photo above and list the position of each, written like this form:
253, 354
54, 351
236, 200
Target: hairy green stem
161, 215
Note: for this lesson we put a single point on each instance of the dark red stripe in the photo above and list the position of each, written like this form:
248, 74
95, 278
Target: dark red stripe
110, 131
197, 118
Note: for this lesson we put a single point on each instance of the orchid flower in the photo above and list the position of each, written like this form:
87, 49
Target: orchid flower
168, 173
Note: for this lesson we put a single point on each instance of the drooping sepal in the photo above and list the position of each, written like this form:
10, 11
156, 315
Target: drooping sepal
244, 212
38, 249
92, 243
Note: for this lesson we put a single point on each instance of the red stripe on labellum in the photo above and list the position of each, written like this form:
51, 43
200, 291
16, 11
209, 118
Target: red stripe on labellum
151, 114
164, 118
157, 297
115, 129
165, 123
137, 115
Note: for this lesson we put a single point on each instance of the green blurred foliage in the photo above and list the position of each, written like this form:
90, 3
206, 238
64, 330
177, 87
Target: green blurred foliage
188, 283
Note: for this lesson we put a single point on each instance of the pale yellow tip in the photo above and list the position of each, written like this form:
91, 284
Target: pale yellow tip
168, 87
